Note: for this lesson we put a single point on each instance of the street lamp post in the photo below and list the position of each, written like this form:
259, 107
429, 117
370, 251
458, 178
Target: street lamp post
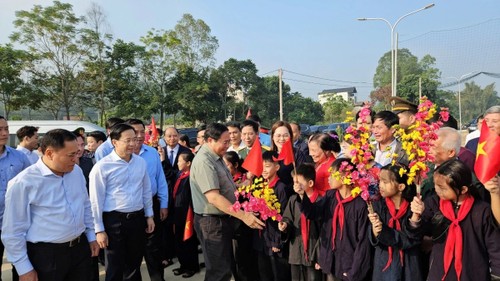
459, 81
393, 55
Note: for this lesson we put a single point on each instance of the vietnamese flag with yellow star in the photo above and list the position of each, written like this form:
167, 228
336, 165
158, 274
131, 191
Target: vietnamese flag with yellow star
487, 155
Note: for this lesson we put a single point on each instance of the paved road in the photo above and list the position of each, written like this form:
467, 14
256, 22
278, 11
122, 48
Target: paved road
7, 275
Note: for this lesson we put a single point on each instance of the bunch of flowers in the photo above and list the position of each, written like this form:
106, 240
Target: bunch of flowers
258, 198
416, 140
364, 177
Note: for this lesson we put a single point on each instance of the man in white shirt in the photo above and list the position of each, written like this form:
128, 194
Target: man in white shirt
235, 136
47, 228
28, 142
120, 194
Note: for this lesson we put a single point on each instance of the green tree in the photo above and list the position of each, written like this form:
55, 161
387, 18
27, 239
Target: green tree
12, 87
196, 46
264, 99
52, 35
238, 77
409, 71
302, 110
475, 100
335, 109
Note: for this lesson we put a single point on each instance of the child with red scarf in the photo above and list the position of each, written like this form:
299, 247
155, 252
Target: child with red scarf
186, 242
344, 250
233, 163
465, 237
397, 255
271, 246
303, 233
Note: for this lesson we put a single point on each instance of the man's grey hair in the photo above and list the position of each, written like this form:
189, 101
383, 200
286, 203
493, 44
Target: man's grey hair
493, 109
450, 139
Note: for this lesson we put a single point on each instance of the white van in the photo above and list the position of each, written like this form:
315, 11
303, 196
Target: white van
46, 125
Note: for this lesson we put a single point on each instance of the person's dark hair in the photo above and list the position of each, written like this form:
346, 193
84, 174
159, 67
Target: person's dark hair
233, 158
113, 121
268, 156
275, 126
214, 131
306, 170
410, 190
372, 115
458, 174
338, 162
187, 156
97, 135
1, 117
56, 139
200, 127
234, 124
326, 142
134, 121
185, 138
252, 124
255, 118
118, 129
26, 131
388, 117
451, 122
78, 134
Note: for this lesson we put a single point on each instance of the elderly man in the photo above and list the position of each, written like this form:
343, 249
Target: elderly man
492, 120
213, 190
48, 229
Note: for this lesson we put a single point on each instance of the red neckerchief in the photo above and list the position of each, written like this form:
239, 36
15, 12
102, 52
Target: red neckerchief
304, 226
237, 177
394, 220
338, 214
454, 240
272, 183
178, 182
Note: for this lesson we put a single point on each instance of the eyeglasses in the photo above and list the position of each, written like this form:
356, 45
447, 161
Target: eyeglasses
129, 141
282, 136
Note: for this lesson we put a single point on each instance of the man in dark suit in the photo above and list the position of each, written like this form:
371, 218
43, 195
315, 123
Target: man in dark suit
169, 163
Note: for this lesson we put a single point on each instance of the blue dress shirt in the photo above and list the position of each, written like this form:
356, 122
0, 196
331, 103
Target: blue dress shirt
103, 150
44, 207
118, 185
11, 163
156, 176
265, 139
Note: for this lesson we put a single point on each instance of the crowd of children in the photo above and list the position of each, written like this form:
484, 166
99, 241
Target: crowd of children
337, 237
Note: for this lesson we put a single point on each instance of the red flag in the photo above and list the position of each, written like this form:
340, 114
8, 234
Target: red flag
249, 112
253, 162
487, 160
188, 228
154, 131
286, 153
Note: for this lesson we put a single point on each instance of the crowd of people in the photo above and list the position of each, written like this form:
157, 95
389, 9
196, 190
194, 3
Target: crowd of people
113, 199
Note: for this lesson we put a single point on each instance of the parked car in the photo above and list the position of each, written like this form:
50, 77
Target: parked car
191, 133
304, 130
334, 126
472, 125
317, 129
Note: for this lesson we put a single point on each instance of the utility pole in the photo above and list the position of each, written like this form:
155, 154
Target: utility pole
280, 78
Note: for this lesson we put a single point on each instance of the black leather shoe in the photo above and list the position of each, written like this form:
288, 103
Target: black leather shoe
188, 274
178, 271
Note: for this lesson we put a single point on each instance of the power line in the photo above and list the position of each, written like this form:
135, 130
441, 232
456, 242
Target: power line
269, 72
465, 79
327, 79
322, 84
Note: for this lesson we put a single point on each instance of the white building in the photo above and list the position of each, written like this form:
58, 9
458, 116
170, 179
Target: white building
346, 93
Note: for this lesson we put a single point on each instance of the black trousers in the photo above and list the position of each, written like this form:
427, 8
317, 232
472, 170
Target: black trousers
153, 254
245, 256
187, 251
127, 238
305, 273
215, 234
53, 262
273, 268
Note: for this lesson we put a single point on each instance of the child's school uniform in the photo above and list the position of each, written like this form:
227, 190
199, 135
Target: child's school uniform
469, 229
397, 254
345, 223
186, 249
303, 235
273, 266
